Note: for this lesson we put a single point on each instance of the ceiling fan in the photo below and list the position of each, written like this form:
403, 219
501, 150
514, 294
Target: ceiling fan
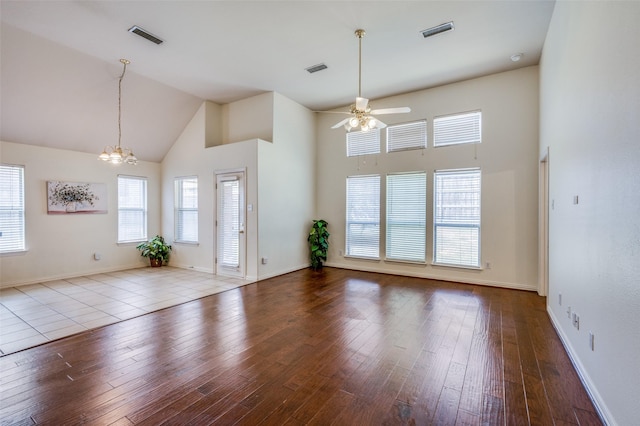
361, 112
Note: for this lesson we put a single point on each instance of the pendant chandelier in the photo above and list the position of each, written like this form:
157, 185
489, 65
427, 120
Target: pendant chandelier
117, 154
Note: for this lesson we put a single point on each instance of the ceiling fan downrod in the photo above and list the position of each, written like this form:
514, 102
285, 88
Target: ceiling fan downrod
360, 33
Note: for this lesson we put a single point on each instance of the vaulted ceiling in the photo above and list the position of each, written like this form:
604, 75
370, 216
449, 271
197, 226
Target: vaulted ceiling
60, 59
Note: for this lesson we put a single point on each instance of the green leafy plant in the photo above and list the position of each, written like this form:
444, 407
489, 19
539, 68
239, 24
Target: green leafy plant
318, 243
156, 249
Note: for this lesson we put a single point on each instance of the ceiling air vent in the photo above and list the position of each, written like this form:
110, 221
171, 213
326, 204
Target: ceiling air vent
437, 29
144, 33
316, 68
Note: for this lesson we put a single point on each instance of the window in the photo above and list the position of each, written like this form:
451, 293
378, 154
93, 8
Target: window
407, 136
132, 209
186, 209
457, 129
363, 143
11, 208
456, 219
363, 216
406, 216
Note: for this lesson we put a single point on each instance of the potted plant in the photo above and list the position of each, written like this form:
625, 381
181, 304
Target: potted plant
318, 243
156, 250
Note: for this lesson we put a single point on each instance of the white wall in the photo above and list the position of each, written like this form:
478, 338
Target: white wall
190, 157
590, 107
507, 157
279, 176
286, 188
62, 246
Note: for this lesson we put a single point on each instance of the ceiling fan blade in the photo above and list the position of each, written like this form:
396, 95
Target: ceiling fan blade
380, 124
334, 112
398, 110
361, 103
341, 123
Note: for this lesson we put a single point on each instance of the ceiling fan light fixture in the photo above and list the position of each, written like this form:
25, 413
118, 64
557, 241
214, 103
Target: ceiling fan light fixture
438, 29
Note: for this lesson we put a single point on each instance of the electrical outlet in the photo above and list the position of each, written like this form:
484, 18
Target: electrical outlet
265, 260
487, 265
576, 321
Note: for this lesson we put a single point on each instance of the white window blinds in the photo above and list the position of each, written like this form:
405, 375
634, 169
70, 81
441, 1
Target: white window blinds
229, 223
457, 129
457, 217
406, 136
12, 222
186, 209
363, 216
406, 216
363, 143
132, 209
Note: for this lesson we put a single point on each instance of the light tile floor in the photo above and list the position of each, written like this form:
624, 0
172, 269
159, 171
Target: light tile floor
38, 313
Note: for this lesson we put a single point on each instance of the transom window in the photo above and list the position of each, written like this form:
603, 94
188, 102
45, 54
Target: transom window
402, 137
457, 129
363, 143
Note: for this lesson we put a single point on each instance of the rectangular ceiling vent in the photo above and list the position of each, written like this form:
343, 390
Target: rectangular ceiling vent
438, 29
316, 68
145, 34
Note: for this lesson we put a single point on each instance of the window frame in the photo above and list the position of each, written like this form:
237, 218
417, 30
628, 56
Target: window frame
360, 141
459, 128
459, 223
144, 210
179, 208
405, 210
419, 133
20, 208
374, 200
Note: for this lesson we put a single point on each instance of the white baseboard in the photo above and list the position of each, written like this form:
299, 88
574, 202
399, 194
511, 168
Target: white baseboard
370, 268
592, 391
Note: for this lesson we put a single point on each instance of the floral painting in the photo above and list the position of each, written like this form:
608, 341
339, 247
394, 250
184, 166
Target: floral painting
72, 197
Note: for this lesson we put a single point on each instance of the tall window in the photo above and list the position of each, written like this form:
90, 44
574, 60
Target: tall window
406, 216
186, 209
402, 137
457, 129
363, 143
132, 209
456, 219
11, 208
363, 216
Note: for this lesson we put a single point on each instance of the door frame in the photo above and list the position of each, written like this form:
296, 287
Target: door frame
242, 255
543, 225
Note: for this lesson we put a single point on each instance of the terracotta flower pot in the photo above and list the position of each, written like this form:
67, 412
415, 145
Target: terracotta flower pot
155, 262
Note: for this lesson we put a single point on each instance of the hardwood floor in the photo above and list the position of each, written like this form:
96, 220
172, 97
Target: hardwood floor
335, 347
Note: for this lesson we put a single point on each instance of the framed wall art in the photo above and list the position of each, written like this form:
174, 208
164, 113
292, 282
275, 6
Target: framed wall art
76, 197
